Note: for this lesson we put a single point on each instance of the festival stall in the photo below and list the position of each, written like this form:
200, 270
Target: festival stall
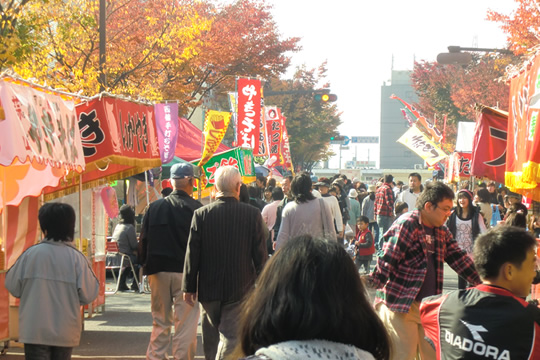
118, 140
38, 148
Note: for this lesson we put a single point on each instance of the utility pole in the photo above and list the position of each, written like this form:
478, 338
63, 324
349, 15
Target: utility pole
102, 44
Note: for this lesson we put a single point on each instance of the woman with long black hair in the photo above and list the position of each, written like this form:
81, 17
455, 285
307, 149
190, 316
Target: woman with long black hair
465, 223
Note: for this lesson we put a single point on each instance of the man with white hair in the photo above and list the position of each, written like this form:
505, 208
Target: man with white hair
226, 252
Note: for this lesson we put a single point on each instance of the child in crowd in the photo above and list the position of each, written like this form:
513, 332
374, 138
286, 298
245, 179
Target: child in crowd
365, 246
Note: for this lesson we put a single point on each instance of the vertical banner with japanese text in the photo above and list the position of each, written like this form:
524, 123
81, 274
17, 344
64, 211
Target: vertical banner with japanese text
285, 148
459, 166
274, 132
523, 144
167, 129
249, 113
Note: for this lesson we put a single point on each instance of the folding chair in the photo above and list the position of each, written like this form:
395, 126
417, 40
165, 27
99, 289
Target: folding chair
112, 264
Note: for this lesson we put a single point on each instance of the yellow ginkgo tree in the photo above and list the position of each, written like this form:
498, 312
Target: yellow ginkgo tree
145, 41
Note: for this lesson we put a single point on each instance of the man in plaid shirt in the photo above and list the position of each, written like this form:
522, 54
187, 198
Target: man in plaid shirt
384, 208
411, 268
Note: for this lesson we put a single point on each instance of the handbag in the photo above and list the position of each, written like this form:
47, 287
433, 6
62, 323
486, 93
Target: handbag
495, 215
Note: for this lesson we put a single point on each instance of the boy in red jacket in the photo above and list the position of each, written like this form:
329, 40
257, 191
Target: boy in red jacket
365, 246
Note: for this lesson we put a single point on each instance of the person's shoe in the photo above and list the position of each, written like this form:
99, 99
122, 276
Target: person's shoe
135, 288
123, 288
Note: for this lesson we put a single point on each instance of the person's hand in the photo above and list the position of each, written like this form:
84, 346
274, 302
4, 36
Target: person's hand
190, 298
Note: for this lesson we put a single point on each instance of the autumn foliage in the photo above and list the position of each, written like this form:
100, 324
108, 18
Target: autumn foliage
454, 91
156, 50
522, 26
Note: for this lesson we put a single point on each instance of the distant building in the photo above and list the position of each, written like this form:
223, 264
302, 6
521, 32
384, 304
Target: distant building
394, 155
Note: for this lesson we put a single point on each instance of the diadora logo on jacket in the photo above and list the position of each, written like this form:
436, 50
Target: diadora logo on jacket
477, 345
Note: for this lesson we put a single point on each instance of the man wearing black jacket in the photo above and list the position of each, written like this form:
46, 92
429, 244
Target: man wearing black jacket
163, 244
491, 320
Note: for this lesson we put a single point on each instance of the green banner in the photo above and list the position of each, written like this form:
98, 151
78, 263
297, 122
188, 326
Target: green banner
241, 158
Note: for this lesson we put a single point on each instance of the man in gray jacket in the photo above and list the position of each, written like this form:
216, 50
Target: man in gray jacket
52, 279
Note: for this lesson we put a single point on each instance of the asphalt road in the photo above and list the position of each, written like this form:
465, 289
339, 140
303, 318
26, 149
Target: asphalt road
122, 330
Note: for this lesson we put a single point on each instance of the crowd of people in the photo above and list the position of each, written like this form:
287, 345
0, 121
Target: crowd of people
280, 270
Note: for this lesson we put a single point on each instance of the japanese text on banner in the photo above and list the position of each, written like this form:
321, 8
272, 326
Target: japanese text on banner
415, 140
249, 113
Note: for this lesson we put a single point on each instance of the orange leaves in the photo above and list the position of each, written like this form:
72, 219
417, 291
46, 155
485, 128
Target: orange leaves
159, 49
521, 26
454, 90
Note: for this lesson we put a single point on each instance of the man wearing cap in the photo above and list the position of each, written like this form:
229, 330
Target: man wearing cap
163, 244
354, 212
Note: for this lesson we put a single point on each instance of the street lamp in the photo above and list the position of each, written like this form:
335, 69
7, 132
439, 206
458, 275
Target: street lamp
454, 56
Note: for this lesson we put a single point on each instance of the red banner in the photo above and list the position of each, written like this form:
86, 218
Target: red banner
523, 146
274, 131
489, 145
459, 166
119, 140
249, 113
285, 148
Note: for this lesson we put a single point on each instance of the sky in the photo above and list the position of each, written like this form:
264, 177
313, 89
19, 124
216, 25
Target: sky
363, 40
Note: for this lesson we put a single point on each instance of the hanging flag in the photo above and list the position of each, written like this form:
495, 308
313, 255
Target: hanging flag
415, 140
249, 113
430, 127
274, 130
263, 138
523, 145
167, 129
489, 144
285, 148
234, 110
459, 166
215, 127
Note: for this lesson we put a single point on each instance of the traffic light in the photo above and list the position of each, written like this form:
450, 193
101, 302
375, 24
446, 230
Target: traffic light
337, 139
325, 98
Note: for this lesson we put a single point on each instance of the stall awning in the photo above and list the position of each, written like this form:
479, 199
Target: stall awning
39, 144
119, 140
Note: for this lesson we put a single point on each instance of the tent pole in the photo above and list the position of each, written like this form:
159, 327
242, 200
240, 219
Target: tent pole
199, 186
80, 214
4, 224
146, 186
